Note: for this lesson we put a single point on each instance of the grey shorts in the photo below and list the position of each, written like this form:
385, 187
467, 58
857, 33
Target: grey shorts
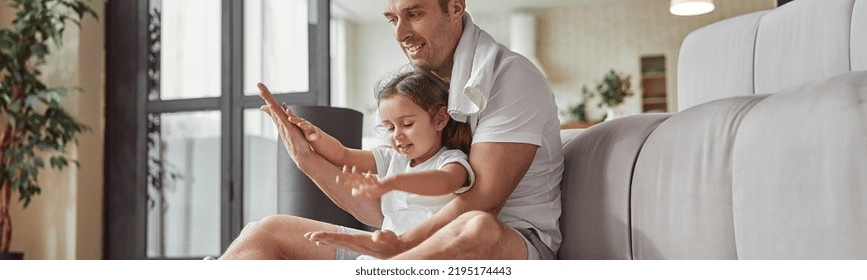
536, 249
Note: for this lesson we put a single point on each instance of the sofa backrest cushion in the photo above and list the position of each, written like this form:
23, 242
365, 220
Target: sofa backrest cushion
768, 51
717, 60
859, 36
795, 43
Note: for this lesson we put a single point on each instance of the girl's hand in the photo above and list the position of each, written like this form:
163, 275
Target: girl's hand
271, 108
310, 130
362, 184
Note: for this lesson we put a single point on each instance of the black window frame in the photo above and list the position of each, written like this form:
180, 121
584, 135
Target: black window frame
131, 35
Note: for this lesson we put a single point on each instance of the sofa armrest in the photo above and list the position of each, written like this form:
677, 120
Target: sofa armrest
595, 188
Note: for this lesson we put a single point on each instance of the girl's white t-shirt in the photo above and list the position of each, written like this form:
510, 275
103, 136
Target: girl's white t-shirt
403, 211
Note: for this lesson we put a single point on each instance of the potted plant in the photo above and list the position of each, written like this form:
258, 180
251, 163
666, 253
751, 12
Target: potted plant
613, 89
33, 124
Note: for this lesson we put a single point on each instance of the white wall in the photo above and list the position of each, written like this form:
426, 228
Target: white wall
375, 53
576, 45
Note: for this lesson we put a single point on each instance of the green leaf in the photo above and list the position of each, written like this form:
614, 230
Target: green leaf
15, 107
12, 121
58, 162
40, 51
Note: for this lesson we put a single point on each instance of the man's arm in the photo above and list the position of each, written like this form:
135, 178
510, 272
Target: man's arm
322, 172
499, 167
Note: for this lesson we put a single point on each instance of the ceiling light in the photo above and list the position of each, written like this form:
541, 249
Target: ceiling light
691, 7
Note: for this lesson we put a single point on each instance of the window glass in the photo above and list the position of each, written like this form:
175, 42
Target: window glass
276, 46
261, 148
183, 185
189, 48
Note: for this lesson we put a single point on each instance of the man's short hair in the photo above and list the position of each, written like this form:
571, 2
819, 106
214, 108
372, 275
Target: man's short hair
444, 5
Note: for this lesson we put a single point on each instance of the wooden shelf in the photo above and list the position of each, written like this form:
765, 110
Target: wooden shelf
654, 108
653, 75
654, 88
654, 100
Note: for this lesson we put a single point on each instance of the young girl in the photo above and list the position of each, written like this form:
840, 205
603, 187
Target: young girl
426, 164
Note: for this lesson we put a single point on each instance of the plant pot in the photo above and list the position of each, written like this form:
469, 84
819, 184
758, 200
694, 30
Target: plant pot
11, 256
615, 112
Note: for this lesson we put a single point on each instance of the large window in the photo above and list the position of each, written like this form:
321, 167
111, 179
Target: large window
190, 158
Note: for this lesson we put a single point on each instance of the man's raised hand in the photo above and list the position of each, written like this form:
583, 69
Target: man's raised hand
272, 106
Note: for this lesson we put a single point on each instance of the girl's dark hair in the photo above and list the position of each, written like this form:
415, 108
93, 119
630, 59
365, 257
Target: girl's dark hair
431, 94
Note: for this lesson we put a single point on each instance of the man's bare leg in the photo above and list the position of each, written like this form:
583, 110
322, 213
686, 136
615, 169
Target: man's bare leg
473, 235
280, 237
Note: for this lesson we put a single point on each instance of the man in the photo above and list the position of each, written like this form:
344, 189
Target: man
513, 208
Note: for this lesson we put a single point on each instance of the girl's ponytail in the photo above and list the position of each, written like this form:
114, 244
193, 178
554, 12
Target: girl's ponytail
457, 135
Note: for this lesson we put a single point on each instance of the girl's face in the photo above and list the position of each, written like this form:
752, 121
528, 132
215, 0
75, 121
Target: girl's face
411, 130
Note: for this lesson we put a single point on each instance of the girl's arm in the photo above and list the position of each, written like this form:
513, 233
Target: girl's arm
331, 149
449, 179
446, 180
319, 169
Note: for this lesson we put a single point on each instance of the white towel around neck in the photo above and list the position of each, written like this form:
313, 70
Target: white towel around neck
472, 72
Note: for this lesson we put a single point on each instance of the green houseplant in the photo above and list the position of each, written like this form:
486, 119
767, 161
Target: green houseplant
578, 112
614, 88
33, 124
611, 92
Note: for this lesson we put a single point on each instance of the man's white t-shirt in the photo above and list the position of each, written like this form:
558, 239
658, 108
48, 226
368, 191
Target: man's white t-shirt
403, 211
521, 109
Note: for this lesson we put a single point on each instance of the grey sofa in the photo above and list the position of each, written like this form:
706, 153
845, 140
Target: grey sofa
767, 158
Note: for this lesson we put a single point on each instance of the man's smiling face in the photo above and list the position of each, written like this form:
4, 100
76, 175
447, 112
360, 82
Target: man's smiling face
427, 35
